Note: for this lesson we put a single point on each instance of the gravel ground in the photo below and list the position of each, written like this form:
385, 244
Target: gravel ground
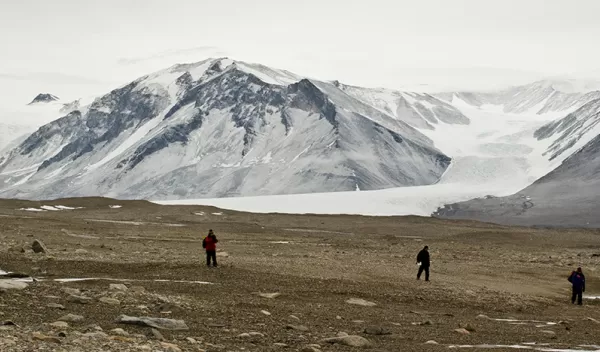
313, 264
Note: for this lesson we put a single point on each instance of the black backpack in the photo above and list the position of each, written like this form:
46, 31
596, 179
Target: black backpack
204, 243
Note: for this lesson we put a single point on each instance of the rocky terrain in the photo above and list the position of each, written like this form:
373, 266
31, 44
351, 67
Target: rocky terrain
97, 274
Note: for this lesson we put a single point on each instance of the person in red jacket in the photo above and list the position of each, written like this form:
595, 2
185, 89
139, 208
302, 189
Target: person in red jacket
210, 245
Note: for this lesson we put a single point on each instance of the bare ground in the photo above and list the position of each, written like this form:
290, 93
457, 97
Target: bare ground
316, 263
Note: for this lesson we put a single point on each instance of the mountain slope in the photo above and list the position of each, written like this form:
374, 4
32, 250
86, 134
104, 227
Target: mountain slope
220, 128
567, 196
422, 111
548, 96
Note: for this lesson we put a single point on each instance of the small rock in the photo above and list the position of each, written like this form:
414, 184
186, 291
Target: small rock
100, 335
294, 317
483, 316
297, 327
81, 251
377, 330
244, 335
352, 341
310, 349
170, 347
17, 249
593, 320
39, 247
361, 302
59, 325
280, 344
431, 342
469, 328
110, 301
137, 289
462, 331
256, 334
548, 332
118, 287
270, 295
423, 323
55, 306
71, 318
71, 291
79, 299
157, 335
191, 340
91, 328
342, 334
119, 332
41, 337
122, 339
265, 312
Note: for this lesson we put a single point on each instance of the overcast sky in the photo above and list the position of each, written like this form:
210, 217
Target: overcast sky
76, 47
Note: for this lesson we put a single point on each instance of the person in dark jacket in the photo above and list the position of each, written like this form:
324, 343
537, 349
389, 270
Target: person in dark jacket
423, 260
210, 245
577, 279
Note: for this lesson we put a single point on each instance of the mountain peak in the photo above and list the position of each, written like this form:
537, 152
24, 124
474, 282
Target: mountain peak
44, 98
569, 86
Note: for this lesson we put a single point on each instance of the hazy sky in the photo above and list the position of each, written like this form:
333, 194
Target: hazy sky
80, 46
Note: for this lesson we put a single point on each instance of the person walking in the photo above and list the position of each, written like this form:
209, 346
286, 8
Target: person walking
210, 245
424, 262
577, 279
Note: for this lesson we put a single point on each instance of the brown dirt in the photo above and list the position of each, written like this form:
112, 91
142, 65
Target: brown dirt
477, 269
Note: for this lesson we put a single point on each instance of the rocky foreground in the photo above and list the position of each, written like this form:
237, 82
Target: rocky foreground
129, 276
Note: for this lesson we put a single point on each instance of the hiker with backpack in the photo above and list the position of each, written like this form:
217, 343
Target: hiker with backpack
423, 261
209, 243
577, 279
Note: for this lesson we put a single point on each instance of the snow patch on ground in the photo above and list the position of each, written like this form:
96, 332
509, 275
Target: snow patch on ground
32, 209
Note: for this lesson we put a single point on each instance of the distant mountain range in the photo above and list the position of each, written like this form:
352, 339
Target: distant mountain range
225, 128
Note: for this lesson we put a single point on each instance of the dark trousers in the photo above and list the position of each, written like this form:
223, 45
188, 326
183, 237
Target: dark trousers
426, 270
577, 295
211, 255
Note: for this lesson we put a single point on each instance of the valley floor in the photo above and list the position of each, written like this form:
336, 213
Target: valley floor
507, 286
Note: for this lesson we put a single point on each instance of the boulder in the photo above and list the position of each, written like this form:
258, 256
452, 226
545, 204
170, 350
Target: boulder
157, 323
39, 247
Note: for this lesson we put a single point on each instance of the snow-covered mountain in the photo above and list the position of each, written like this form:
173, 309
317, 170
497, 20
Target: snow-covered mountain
220, 128
44, 98
9, 133
540, 97
567, 196
420, 110
573, 131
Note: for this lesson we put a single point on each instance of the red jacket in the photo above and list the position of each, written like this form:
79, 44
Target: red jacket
210, 243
